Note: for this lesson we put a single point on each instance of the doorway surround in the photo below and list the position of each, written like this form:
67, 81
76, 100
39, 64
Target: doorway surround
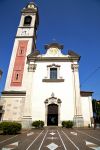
49, 101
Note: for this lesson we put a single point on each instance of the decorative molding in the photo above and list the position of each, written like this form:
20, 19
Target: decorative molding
24, 36
52, 95
75, 67
53, 65
53, 59
53, 80
86, 93
26, 27
52, 100
32, 67
72, 53
13, 93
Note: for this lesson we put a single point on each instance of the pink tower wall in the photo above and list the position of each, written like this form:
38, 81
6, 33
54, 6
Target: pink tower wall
18, 69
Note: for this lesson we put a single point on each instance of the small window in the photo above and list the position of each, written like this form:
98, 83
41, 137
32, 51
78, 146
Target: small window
27, 21
53, 73
21, 51
17, 76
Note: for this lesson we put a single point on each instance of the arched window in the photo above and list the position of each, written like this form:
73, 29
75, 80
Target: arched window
27, 21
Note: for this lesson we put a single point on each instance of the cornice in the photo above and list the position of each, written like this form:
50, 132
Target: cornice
86, 93
50, 59
28, 10
13, 93
24, 36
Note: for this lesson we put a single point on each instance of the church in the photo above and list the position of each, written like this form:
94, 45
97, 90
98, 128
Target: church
43, 86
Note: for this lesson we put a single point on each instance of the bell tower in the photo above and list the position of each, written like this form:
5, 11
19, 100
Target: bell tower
24, 44
18, 87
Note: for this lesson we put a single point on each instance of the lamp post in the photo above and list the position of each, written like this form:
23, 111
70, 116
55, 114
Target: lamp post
1, 73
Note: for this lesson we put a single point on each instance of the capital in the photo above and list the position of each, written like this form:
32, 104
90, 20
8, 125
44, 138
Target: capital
74, 67
32, 67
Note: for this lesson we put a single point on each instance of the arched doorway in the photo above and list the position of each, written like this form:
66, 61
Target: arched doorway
52, 116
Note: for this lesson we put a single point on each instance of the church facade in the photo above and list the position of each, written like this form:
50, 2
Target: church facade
43, 86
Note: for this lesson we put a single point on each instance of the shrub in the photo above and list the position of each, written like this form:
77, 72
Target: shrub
67, 124
38, 124
10, 127
64, 123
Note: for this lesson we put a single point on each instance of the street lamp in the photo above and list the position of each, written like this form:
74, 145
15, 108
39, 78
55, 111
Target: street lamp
1, 73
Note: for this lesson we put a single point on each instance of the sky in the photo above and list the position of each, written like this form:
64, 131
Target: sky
73, 23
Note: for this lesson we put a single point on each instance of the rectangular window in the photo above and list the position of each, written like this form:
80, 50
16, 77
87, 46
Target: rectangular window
53, 73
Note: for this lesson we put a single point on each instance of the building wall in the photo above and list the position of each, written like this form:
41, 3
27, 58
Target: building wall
87, 109
43, 90
13, 107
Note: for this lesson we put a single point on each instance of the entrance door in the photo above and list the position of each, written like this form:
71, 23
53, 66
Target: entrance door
52, 116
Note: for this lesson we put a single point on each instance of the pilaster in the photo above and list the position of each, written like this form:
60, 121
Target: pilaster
27, 115
78, 119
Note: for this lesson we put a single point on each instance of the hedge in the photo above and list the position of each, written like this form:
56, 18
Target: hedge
38, 124
10, 127
67, 124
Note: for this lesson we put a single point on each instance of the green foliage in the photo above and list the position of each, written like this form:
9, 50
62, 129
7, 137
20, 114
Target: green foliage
10, 127
96, 107
38, 124
67, 124
96, 110
64, 123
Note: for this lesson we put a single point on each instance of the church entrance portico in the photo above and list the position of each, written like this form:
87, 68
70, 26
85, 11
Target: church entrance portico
52, 111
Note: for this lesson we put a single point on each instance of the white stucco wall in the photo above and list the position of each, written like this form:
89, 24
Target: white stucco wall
87, 109
43, 90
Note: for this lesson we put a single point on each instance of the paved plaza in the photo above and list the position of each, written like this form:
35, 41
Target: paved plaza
52, 138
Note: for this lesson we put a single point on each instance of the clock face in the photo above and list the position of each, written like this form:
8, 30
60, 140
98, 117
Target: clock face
25, 32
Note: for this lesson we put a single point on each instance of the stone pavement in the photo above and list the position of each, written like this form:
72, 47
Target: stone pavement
52, 138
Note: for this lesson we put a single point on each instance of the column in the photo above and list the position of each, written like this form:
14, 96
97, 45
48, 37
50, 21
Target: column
78, 119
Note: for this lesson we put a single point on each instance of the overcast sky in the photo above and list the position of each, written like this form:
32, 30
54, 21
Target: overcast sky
73, 23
